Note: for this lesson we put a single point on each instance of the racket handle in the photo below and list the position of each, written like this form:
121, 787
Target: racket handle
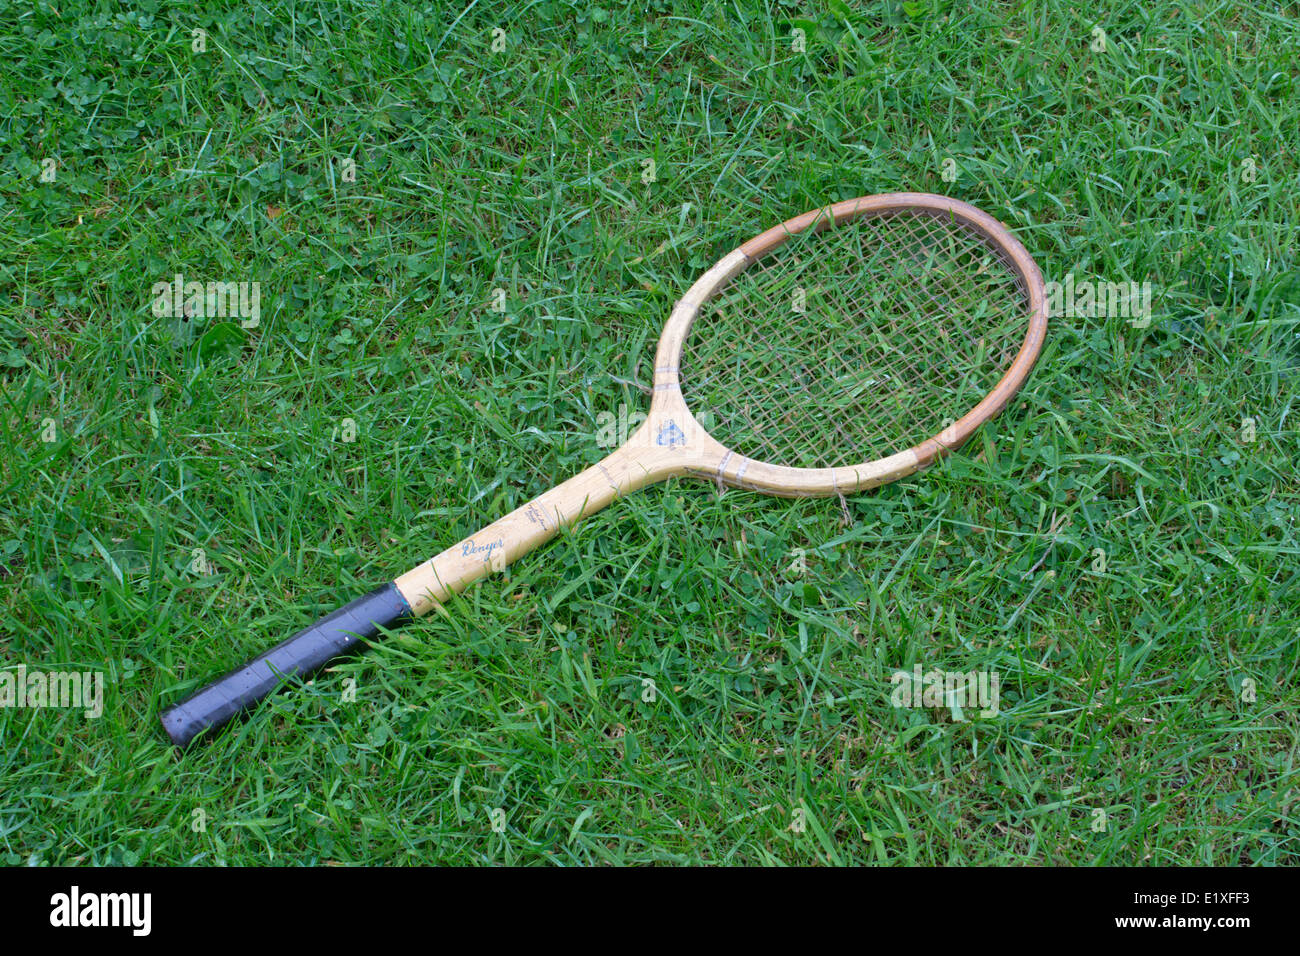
299, 656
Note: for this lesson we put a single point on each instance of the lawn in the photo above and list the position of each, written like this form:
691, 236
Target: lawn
687, 677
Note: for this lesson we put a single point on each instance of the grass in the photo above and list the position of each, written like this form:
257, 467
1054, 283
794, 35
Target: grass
1118, 547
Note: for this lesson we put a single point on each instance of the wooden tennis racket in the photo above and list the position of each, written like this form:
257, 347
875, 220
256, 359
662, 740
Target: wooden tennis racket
841, 350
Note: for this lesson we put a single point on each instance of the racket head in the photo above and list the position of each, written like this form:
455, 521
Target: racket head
917, 308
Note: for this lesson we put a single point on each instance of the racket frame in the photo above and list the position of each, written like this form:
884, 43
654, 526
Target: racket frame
670, 442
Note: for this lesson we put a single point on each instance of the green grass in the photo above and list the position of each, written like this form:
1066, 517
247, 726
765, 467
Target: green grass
1122, 691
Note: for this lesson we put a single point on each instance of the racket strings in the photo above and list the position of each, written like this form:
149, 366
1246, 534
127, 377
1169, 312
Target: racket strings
854, 342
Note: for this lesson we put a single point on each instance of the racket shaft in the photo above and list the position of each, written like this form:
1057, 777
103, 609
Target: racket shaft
526, 528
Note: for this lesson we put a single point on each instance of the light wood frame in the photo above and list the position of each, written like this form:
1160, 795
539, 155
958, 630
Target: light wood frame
671, 442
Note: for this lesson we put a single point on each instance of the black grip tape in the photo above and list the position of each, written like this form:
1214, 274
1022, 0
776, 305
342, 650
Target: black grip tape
299, 656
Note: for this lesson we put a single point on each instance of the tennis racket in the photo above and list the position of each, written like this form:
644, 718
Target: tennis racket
841, 350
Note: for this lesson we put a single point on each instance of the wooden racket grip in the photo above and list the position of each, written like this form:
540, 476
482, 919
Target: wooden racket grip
530, 526
299, 656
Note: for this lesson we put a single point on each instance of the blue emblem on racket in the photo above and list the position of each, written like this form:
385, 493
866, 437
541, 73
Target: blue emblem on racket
670, 435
